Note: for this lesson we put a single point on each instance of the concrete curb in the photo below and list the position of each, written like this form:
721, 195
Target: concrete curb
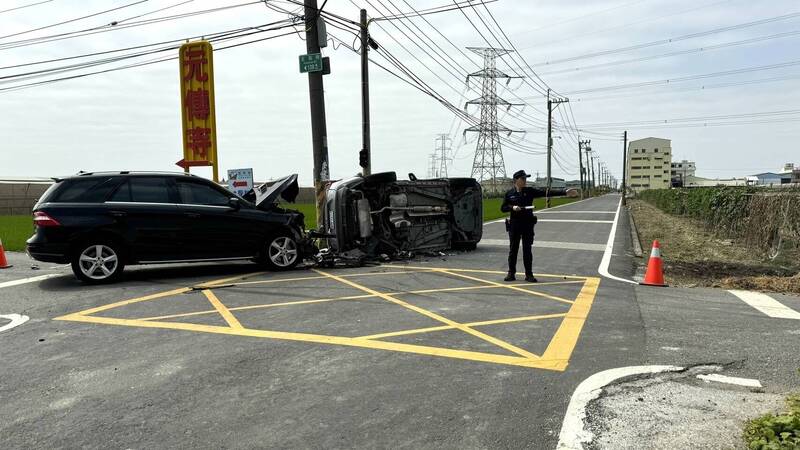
573, 434
637, 244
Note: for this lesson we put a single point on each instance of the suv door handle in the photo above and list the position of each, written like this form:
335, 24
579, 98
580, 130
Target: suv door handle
117, 213
192, 215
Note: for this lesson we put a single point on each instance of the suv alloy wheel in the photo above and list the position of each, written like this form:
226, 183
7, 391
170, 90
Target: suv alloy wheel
97, 262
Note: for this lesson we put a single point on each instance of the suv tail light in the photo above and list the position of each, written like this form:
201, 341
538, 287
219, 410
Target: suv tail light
42, 219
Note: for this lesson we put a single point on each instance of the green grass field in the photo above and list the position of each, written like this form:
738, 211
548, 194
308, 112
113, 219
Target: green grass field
491, 208
14, 230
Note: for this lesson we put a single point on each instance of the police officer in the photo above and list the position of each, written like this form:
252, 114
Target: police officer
520, 224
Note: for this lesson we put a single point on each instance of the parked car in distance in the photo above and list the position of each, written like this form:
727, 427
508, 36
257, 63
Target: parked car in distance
380, 214
101, 222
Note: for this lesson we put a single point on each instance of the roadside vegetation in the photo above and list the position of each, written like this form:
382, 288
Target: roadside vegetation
15, 230
707, 245
776, 432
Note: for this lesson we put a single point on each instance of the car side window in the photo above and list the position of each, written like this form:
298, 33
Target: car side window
89, 190
201, 194
143, 190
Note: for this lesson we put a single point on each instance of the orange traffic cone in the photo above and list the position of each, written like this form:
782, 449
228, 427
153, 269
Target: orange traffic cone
655, 272
3, 262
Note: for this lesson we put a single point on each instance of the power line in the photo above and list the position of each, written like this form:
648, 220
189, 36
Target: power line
699, 118
693, 88
626, 25
152, 61
671, 40
24, 6
676, 53
114, 26
74, 20
688, 78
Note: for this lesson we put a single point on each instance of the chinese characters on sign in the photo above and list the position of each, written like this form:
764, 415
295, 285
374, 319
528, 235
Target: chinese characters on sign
197, 104
240, 181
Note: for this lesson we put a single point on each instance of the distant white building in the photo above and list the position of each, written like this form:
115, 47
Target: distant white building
680, 171
648, 164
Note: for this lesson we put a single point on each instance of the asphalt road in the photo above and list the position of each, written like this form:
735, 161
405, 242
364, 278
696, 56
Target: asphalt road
434, 352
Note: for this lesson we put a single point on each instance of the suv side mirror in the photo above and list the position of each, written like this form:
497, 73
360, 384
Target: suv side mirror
234, 203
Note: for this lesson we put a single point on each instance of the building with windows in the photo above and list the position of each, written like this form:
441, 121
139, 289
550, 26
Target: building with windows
649, 164
680, 171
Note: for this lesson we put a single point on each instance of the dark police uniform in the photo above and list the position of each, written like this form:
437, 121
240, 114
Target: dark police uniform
520, 226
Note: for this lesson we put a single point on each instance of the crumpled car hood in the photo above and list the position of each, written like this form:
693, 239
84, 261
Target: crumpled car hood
285, 187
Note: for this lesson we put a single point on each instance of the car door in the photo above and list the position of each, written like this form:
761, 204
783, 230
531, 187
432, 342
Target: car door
215, 229
145, 209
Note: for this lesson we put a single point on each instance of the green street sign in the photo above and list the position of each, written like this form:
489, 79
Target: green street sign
311, 63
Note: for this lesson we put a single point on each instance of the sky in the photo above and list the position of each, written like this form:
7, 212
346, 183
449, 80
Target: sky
131, 119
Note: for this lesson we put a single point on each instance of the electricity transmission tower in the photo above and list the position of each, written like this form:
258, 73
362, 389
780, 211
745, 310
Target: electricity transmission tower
443, 152
488, 166
432, 165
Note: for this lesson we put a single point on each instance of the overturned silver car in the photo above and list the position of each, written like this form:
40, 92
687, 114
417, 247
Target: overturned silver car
379, 214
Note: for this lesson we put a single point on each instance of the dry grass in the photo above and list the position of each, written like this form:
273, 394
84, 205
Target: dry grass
695, 256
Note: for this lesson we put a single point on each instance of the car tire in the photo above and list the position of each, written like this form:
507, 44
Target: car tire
98, 261
282, 252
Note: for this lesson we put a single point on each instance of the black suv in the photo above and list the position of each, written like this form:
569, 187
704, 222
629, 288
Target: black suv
100, 222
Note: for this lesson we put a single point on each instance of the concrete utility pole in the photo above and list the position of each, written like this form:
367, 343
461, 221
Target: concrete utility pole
444, 151
365, 156
624, 162
316, 94
586, 153
594, 180
550, 103
582, 144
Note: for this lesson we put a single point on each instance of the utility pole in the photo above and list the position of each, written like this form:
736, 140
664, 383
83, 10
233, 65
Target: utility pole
365, 156
550, 103
444, 151
582, 144
316, 94
586, 167
624, 162
594, 180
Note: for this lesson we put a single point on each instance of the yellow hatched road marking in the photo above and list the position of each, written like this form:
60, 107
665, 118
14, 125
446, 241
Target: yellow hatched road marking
471, 324
331, 299
497, 272
368, 274
223, 310
508, 286
325, 339
462, 327
563, 342
555, 357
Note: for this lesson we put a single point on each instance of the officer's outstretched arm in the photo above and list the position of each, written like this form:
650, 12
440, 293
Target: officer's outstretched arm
505, 207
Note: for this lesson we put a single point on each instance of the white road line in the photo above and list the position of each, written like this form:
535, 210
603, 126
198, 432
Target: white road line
573, 434
603, 269
749, 382
29, 280
16, 320
539, 211
766, 304
549, 244
576, 221
547, 211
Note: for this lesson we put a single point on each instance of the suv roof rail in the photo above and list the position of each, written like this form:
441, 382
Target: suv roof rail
134, 172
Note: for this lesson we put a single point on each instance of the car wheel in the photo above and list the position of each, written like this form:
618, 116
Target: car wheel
98, 262
282, 252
